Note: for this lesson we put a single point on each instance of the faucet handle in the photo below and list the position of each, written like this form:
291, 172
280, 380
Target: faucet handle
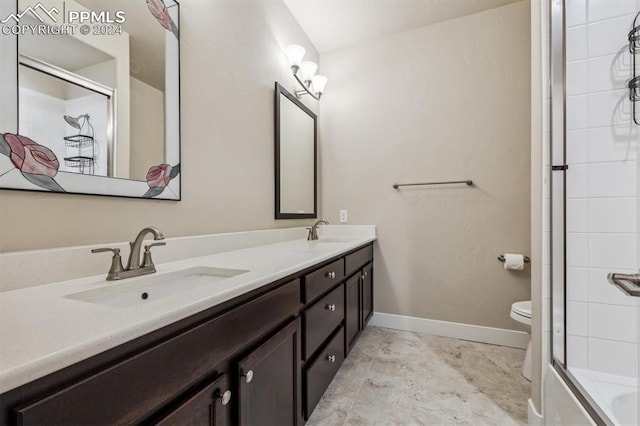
116, 251
116, 262
147, 262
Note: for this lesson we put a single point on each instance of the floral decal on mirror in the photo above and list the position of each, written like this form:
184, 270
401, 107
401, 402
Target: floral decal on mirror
159, 10
37, 163
158, 178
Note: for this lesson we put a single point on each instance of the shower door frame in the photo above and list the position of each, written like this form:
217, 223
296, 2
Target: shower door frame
559, 167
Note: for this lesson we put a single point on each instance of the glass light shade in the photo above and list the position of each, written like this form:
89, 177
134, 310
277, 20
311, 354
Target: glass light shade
308, 70
319, 83
294, 53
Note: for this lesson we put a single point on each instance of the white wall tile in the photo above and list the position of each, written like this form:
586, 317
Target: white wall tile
577, 78
610, 108
601, 357
577, 181
577, 351
576, 215
613, 322
602, 291
613, 215
606, 9
613, 144
578, 284
577, 250
577, 112
609, 72
613, 251
606, 37
577, 146
577, 318
576, 42
575, 12
615, 179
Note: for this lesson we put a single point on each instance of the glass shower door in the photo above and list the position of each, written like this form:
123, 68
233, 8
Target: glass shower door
596, 208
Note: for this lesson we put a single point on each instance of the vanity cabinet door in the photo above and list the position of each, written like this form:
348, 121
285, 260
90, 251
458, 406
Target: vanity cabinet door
269, 381
210, 406
367, 294
352, 311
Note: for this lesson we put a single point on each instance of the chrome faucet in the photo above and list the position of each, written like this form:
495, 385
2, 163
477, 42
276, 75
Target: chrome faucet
313, 231
133, 269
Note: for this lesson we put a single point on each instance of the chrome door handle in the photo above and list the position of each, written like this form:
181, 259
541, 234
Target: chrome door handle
331, 275
627, 283
331, 308
331, 358
224, 397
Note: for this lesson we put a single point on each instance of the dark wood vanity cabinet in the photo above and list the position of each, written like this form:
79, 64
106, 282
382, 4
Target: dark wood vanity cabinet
210, 405
269, 381
263, 358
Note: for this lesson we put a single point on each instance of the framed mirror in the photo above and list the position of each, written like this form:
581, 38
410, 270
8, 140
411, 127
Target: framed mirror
296, 159
93, 97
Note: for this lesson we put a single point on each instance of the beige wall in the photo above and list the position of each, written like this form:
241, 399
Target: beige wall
231, 55
445, 102
147, 129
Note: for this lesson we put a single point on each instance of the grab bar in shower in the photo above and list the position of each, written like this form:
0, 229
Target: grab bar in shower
628, 283
468, 182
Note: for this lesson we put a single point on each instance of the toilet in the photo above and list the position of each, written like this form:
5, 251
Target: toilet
521, 314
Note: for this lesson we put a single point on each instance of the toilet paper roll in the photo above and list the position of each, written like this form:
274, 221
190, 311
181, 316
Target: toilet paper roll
514, 261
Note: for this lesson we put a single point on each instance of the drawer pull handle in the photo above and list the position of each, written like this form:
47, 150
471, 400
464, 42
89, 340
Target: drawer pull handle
331, 308
224, 397
248, 376
331, 275
331, 358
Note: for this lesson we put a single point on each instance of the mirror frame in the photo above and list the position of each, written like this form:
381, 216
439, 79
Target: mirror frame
102, 186
279, 92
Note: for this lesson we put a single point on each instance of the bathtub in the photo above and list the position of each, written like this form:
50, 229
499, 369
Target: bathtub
617, 396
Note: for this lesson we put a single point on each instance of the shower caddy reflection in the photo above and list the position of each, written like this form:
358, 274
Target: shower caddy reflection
84, 161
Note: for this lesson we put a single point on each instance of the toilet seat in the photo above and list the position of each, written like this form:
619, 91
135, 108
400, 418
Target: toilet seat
521, 312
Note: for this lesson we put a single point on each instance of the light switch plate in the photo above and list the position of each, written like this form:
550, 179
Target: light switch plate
344, 216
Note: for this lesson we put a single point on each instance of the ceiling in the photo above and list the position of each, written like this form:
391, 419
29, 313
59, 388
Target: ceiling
334, 24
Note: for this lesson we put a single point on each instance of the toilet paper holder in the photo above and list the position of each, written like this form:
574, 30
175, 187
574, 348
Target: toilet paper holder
501, 259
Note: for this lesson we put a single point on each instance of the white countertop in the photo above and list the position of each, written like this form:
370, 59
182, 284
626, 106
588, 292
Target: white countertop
41, 331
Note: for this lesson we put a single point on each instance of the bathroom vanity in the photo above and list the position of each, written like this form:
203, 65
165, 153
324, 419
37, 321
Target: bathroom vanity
265, 356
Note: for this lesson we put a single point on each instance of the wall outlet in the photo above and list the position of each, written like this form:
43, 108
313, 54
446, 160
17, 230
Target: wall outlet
344, 216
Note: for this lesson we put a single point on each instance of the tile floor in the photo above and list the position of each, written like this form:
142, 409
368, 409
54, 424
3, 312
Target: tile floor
401, 378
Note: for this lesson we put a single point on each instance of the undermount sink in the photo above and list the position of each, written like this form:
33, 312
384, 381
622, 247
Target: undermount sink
139, 291
332, 240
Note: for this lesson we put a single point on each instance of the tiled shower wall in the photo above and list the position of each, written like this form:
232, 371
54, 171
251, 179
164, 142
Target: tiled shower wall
601, 188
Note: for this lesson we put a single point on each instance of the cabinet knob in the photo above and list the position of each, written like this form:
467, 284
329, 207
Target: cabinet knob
331, 358
366, 273
224, 397
331, 275
248, 376
331, 308
362, 277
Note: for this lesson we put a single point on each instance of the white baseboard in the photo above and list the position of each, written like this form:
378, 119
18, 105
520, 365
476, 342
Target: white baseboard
474, 333
534, 418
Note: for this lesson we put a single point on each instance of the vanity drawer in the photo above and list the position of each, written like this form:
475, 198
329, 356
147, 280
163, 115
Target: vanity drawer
321, 371
358, 259
322, 318
323, 279
127, 392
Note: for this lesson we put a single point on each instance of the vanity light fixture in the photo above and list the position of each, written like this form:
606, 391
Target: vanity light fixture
305, 72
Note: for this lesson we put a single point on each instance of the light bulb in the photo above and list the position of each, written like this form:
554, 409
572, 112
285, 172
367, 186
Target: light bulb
294, 53
319, 83
308, 70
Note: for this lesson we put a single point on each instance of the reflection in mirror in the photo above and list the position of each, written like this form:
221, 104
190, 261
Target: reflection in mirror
296, 160
100, 100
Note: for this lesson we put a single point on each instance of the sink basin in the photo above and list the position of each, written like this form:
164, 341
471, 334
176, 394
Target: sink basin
153, 287
333, 240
